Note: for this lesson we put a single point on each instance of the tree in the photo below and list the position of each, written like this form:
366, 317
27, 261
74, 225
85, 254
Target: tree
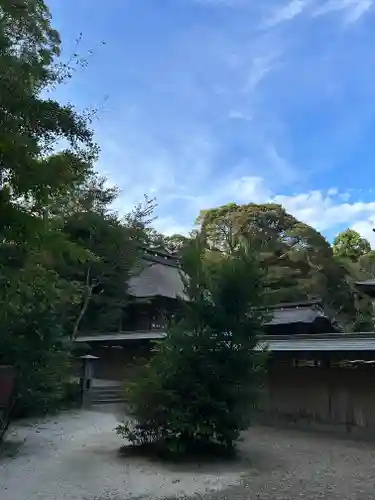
173, 244
299, 260
201, 386
31, 171
349, 244
283, 243
34, 174
103, 278
114, 245
176, 243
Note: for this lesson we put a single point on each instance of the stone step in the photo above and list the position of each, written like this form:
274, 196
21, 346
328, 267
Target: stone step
105, 395
110, 393
107, 401
103, 387
107, 391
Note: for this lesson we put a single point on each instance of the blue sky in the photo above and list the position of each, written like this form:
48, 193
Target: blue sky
204, 102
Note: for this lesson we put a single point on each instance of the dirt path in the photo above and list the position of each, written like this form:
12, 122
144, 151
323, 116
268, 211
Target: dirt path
76, 457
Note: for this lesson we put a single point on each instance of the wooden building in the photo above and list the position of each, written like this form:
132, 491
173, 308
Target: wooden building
323, 380
156, 289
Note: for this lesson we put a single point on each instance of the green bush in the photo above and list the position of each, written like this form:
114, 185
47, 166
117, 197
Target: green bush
201, 386
41, 374
33, 339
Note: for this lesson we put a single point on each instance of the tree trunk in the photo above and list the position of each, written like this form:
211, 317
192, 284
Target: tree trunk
88, 295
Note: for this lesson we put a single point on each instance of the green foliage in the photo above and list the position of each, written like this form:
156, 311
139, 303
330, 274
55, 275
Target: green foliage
299, 261
203, 383
34, 297
367, 265
176, 243
114, 246
103, 279
31, 124
349, 244
32, 337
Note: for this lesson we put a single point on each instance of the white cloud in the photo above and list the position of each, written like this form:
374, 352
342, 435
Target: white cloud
325, 211
168, 225
322, 210
328, 212
247, 189
353, 10
358, 10
286, 12
365, 229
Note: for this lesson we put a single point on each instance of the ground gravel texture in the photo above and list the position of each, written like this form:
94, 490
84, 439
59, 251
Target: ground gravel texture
76, 456
291, 465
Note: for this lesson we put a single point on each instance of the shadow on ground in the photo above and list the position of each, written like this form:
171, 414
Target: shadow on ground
210, 460
10, 449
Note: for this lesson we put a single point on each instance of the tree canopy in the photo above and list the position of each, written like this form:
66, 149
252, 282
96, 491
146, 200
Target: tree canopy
349, 244
300, 262
32, 170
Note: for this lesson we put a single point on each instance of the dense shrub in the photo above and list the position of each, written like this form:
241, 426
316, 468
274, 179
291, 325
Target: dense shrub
32, 337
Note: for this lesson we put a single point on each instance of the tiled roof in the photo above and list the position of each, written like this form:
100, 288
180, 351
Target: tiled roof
307, 314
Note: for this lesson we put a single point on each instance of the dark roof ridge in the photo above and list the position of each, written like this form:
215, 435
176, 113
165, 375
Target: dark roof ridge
160, 257
295, 305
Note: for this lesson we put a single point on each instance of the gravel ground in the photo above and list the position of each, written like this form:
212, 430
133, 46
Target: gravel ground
76, 457
291, 465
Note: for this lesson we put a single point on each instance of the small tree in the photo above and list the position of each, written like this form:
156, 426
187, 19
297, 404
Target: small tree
202, 384
350, 244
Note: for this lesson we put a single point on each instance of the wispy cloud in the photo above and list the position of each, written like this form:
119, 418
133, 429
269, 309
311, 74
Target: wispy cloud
240, 115
352, 10
286, 12
237, 101
223, 3
260, 67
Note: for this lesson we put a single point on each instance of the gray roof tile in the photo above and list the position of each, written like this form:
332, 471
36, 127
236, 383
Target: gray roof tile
158, 277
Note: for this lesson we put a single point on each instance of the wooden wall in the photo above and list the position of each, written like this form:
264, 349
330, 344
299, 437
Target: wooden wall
325, 393
322, 394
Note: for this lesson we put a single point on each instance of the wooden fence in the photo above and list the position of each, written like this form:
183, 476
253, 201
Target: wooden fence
322, 394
